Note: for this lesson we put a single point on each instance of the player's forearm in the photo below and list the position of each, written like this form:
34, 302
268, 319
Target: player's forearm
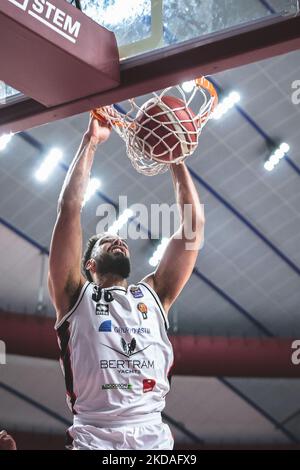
187, 196
78, 175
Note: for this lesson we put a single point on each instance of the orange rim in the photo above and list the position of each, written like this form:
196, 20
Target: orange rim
202, 82
99, 114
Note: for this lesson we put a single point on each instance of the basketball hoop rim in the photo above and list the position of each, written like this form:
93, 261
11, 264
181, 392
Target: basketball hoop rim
127, 124
200, 82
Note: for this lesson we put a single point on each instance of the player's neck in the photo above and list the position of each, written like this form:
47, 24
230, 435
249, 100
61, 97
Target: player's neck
109, 280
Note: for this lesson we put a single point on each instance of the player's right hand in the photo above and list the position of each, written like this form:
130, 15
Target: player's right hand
98, 131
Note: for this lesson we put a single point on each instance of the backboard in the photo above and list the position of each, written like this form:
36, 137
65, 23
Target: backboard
147, 25
163, 42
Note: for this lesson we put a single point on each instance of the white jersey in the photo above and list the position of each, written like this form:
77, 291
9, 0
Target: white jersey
115, 355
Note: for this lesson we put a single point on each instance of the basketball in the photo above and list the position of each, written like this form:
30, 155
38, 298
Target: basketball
167, 129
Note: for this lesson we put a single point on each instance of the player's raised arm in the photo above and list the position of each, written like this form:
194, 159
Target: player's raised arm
178, 261
64, 278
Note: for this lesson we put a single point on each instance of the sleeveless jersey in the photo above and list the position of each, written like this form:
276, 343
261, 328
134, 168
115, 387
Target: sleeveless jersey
115, 354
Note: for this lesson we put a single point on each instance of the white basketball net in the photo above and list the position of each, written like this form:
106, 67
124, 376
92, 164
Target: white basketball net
147, 147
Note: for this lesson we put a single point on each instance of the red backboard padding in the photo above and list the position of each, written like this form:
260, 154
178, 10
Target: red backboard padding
53, 53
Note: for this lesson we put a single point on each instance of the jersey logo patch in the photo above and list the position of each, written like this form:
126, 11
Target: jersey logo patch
148, 385
128, 348
105, 326
117, 386
102, 309
143, 309
136, 292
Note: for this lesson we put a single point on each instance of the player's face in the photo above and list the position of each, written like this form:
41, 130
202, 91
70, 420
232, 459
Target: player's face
113, 245
111, 255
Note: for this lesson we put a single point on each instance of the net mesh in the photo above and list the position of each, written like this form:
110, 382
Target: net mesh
157, 133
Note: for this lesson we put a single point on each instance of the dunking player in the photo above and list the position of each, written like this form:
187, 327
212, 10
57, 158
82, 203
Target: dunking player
115, 352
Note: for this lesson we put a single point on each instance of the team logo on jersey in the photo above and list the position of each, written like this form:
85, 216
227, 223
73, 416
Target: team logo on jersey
148, 385
98, 292
143, 309
128, 349
117, 387
135, 331
136, 292
102, 309
127, 366
105, 326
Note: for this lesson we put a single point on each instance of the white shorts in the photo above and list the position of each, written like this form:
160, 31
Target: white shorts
124, 437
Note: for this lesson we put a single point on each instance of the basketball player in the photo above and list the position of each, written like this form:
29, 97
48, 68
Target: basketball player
115, 352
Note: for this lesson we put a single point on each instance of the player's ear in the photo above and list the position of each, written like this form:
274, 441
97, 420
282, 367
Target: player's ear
90, 265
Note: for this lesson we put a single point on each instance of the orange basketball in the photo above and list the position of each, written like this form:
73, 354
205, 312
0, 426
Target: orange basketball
169, 129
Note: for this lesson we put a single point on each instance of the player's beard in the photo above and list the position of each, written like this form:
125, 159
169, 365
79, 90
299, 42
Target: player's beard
113, 263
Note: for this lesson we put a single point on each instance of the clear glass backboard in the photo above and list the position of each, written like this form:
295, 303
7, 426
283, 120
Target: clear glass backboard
146, 25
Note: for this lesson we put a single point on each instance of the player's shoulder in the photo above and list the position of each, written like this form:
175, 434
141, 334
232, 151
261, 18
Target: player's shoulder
73, 303
148, 281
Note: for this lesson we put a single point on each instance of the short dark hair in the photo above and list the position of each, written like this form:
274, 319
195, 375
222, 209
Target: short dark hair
87, 254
